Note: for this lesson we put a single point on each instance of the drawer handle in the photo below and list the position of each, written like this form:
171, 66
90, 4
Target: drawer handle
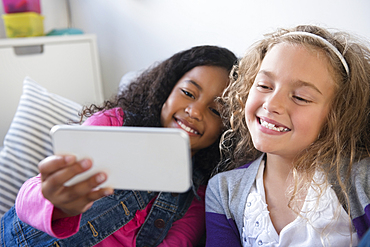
28, 50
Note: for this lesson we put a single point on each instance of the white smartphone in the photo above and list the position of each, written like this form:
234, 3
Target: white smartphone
134, 158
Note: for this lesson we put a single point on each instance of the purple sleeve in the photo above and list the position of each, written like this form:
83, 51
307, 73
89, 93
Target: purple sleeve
362, 223
221, 231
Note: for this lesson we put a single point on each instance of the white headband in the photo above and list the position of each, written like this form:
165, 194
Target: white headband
332, 47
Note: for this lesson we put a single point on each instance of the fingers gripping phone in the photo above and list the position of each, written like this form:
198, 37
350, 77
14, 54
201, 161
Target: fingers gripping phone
134, 158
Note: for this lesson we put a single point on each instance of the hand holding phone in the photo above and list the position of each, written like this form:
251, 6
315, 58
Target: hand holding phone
69, 201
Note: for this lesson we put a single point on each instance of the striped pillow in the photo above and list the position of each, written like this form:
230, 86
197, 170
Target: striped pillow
27, 141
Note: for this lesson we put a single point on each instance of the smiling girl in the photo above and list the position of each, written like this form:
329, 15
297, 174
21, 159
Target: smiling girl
295, 155
180, 92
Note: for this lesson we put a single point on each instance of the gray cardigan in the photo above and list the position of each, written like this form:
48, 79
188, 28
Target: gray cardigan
227, 193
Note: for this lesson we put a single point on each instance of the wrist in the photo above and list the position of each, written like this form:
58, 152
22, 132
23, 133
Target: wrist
59, 214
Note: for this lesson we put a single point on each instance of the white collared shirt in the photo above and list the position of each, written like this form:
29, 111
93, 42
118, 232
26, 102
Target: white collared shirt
323, 224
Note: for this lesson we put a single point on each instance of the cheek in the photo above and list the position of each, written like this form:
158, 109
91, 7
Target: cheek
215, 130
164, 113
170, 105
322, 120
250, 108
310, 125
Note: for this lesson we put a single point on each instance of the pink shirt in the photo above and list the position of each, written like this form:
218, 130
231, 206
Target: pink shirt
33, 209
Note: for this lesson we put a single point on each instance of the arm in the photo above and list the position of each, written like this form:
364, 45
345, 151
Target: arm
221, 230
188, 230
34, 209
359, 196
46, 204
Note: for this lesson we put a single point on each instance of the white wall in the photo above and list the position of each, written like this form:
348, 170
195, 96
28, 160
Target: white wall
54, 11
132, 34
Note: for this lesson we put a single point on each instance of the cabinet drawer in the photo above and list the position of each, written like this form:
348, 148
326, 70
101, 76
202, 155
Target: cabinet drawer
67, 66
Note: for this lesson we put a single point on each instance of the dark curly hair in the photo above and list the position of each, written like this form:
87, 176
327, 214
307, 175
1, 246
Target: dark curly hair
144, 97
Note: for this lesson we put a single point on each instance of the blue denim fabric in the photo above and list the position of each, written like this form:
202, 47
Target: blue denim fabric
106, 216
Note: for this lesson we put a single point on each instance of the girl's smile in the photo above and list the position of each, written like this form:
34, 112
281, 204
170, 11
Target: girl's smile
185, 126
289, 100
191, 105
271, 125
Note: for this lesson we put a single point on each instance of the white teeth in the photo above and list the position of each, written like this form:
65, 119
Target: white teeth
272, 126
186, 128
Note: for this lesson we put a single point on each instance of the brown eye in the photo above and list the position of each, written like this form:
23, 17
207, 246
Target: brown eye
263, 87
215, 111
302, 99
187, 93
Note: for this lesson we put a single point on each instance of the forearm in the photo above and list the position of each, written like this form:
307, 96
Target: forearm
33, 209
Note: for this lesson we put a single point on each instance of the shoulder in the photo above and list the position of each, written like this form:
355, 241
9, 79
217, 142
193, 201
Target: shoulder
361, 168
360, 174
237, 177
360, 177
359, 194
227, 192
111, 117
232, 185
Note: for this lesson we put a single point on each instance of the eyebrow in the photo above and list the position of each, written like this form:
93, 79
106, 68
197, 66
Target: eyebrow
199, 87
195, 84
298, 83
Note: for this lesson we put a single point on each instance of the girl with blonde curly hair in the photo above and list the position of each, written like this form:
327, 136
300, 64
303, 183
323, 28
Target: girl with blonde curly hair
295, 158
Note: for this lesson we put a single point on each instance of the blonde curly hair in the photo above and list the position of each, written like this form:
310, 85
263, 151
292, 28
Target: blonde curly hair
345, 136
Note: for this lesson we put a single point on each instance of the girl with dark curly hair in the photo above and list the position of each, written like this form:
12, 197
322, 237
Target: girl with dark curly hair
179, 92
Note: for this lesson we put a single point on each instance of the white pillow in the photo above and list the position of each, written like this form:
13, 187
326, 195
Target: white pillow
27, 141
128, 78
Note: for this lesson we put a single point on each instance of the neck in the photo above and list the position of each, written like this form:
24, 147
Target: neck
277, 167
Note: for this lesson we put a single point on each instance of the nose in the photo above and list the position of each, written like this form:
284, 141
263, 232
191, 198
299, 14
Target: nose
195, 111
275, 103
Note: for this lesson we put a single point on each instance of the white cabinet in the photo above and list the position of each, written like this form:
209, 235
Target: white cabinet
64, 65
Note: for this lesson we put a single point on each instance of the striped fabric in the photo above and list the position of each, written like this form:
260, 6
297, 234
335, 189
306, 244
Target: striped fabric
27, 141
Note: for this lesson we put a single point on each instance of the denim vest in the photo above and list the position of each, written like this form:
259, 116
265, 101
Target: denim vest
106, 216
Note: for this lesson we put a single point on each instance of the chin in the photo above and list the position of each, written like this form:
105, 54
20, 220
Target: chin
262, 148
